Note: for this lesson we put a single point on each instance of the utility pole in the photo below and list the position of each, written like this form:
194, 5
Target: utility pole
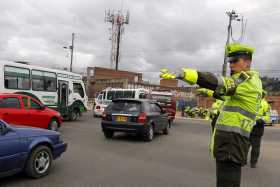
71, 48
118, 21
232, 16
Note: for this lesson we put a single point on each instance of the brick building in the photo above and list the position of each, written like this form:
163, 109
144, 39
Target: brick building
105, 73
169, 83
100, 78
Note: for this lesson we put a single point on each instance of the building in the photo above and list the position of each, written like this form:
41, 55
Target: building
169, 83
105, 73
100, 78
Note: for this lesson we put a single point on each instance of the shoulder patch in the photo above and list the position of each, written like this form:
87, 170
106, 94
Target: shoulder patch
242, 78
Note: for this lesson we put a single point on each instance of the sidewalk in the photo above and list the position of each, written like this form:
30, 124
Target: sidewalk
178, 116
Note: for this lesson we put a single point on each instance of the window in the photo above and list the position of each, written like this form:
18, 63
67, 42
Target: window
99, 97
155, 108
124, 106
142, 96
110, 95
78, 88
10, 102
129, 94
44, 81
25, 102
118, 94
34, 105
17, 78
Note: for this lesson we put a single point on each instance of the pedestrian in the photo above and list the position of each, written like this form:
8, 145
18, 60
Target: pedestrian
243, 89
182, 107
263, 117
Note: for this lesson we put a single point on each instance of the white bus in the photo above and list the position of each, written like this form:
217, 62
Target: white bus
106, 96
60, 90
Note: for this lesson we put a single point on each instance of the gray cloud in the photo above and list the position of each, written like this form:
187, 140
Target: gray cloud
168, 33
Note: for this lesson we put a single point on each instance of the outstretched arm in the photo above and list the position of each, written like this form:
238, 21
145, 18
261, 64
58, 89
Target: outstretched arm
221, 86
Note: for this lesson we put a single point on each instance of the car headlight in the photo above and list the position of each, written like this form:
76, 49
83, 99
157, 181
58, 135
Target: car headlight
59, 139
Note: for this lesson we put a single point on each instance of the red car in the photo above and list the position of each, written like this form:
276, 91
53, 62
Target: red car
24, 110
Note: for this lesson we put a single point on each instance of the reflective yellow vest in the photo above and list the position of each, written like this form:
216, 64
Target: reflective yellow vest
238, 114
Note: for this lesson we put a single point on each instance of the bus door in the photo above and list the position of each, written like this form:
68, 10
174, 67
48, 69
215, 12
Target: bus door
63, 93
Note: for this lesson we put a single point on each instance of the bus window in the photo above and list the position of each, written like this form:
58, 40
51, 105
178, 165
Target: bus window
100, 97
78, 88
129, 94
17, 78
43, 81
50, 81
110, 95
118, 94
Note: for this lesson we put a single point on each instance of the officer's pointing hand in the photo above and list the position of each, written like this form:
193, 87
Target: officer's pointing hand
165, 74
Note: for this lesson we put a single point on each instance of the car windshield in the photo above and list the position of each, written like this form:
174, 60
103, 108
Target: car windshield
124, 106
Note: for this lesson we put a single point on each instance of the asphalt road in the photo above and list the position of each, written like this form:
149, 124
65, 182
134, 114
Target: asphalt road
179, 159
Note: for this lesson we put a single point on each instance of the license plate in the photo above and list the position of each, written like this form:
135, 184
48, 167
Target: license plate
121, 118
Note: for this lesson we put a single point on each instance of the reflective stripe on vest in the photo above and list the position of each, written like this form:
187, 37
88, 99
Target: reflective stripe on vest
235, 129
239, 110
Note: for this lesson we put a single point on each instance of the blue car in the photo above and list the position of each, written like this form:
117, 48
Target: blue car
30, 150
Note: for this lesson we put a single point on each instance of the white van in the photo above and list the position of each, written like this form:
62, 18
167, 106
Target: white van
106, 96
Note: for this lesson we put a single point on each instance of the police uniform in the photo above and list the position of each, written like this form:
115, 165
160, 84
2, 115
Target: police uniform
230, 141
258, 130
216, 106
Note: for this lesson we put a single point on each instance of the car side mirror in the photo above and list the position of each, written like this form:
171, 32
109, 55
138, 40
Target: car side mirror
42, 107
3, 129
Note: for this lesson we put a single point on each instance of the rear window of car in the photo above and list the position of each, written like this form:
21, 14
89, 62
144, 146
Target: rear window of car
9, 102
124, 106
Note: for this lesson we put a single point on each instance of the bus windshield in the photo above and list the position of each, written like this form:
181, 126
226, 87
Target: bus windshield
111, 95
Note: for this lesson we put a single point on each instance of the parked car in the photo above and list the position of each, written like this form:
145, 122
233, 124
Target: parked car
20, 109
274, 117
141, 117
27, 149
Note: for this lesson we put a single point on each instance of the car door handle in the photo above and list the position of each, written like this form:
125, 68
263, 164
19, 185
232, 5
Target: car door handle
6, 113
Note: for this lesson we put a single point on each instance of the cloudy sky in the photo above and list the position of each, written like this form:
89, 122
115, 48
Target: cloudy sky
161, 33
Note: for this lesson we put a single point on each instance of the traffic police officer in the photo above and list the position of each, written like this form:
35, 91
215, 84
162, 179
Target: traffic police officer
263, 117
230, 141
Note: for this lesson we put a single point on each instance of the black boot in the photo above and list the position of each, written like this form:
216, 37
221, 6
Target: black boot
253, 165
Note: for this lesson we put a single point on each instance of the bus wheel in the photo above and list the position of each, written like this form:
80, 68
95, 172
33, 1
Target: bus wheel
74, 115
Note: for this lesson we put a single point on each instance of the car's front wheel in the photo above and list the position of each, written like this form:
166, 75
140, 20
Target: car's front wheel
148, 133
39, 162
